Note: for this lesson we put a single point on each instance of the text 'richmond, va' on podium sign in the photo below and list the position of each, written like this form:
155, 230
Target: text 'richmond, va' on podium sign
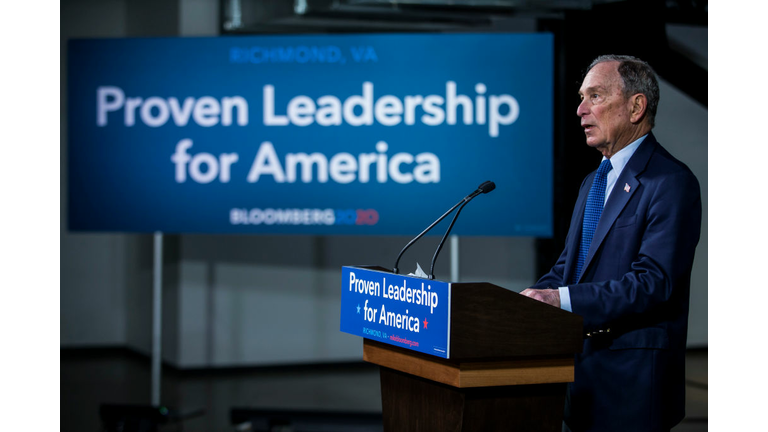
399, 310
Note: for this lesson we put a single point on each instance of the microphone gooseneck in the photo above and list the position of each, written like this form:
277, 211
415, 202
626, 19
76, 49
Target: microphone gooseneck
395, 270
483, 188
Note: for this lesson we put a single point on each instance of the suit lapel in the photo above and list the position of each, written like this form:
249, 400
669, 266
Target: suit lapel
620, 195
576, 225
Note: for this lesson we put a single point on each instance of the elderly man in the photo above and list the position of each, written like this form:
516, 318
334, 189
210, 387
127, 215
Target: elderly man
626, 266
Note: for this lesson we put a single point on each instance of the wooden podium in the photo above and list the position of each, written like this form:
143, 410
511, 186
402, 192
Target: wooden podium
510, 360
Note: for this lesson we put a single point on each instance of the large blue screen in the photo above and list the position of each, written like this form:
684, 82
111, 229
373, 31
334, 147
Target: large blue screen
342, 134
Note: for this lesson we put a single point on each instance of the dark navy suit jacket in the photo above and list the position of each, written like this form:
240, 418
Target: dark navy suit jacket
635, 287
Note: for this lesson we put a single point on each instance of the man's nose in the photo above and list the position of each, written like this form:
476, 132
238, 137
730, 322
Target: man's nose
582, 110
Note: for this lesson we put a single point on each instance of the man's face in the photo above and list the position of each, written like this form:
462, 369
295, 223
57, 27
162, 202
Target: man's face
603, 109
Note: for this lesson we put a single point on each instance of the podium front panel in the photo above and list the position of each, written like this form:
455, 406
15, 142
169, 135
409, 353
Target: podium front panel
399, 310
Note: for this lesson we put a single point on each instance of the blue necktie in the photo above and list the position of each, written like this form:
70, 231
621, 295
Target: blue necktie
592, 213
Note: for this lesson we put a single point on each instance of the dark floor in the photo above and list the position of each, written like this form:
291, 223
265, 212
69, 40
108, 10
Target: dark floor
205, 399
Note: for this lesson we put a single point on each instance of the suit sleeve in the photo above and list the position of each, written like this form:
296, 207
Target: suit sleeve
660, 268
555, 278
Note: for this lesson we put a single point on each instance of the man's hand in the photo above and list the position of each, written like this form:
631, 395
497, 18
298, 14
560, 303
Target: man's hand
548, 296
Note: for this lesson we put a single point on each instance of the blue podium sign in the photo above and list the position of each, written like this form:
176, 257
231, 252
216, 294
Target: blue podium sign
310, 134
399, 310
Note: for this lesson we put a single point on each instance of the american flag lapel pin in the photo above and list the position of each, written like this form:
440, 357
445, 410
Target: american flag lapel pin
626, 187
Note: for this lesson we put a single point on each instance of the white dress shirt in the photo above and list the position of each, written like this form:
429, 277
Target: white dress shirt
618, 162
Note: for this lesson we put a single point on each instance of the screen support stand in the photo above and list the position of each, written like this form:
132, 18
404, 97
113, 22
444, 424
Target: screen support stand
454, 258
157, 316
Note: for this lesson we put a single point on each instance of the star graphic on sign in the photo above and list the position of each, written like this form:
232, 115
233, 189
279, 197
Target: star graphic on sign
358, 308
425, 323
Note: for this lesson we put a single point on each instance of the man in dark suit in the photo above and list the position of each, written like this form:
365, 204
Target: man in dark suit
626, 266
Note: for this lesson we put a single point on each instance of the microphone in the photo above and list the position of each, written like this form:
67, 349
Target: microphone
483, 188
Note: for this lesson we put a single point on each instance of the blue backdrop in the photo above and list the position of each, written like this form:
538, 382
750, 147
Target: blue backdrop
344, 134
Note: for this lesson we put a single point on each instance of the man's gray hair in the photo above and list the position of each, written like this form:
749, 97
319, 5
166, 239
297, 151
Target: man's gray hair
637, 77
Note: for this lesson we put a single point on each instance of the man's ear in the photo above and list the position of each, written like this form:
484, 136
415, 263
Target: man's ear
638, 106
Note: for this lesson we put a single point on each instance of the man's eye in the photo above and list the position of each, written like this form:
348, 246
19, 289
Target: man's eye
595, 96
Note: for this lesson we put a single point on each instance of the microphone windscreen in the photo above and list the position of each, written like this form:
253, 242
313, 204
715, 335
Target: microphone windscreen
487, 187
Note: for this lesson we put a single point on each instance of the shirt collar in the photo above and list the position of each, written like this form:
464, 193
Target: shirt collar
620, 159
